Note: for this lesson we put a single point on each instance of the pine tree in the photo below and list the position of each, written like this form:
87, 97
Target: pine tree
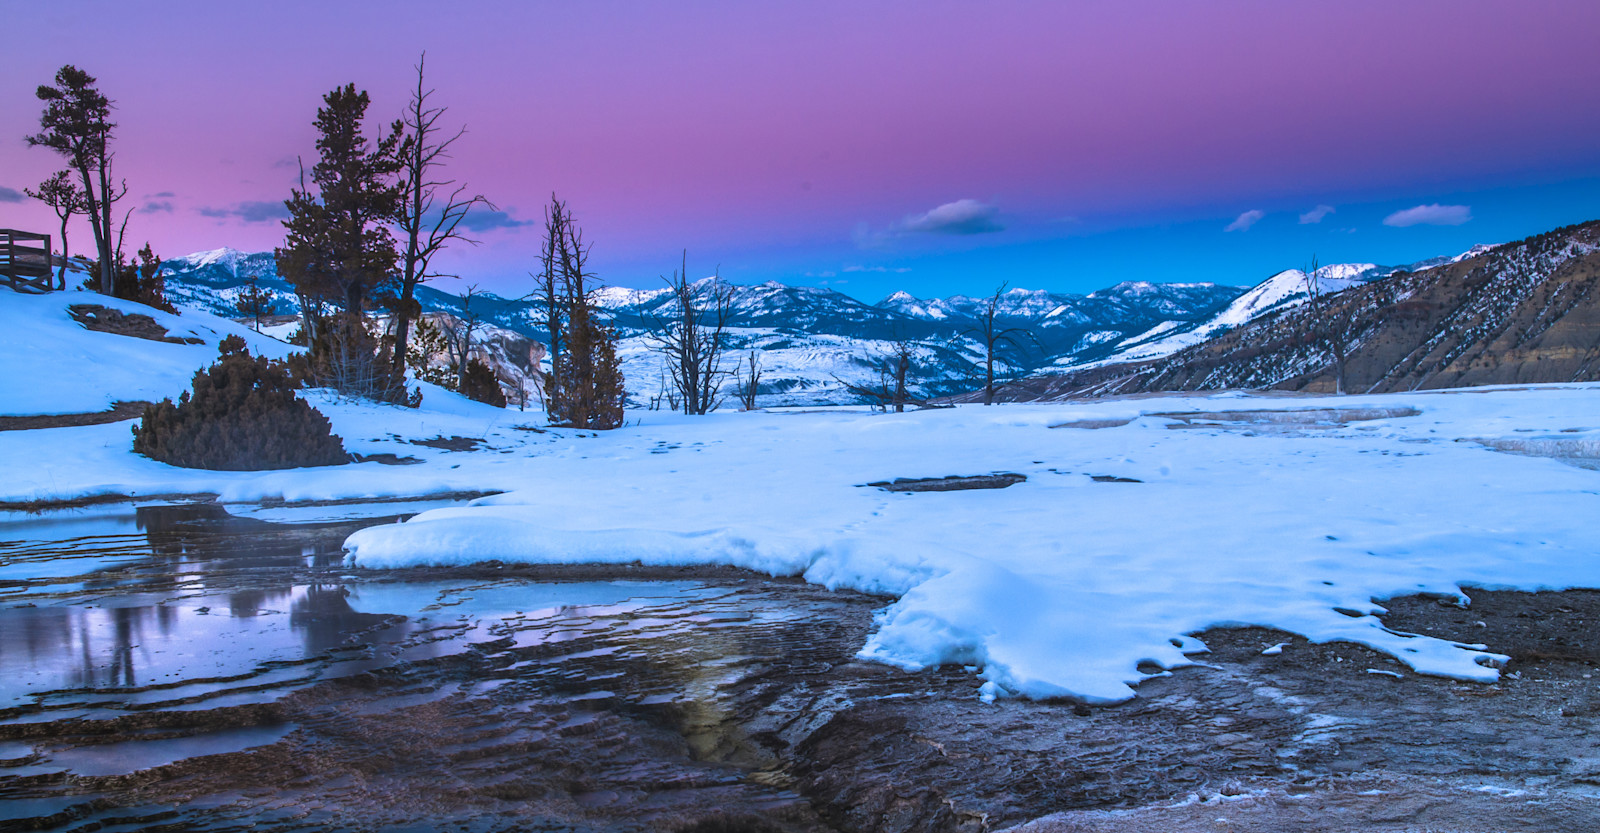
589, 375
429, 341
479, 383
339, 248
241, 416
585, 388
143, 282
76, 123
253, 302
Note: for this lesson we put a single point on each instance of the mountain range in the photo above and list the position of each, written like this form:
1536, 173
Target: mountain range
813, 342
1519, 313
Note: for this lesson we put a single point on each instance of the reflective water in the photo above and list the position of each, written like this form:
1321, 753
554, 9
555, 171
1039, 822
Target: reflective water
145, 642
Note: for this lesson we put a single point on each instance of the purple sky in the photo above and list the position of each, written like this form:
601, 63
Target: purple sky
936, 147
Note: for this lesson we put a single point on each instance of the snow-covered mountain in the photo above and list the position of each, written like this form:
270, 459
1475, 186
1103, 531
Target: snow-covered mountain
1516, 313
1279, 292
809, 341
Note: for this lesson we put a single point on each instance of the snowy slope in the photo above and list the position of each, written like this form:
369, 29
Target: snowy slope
1280, 291
55, 366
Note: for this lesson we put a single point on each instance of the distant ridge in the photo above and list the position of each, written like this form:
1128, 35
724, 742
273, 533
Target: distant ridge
811, 340
1518, 313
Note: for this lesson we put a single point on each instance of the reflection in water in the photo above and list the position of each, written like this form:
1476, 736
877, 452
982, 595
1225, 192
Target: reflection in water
168, 640
178, 583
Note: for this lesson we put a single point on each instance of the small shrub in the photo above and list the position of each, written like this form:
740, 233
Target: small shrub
139, 281
479, 383
241, 416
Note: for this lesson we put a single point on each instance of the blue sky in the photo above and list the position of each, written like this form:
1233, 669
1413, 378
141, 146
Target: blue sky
934, 146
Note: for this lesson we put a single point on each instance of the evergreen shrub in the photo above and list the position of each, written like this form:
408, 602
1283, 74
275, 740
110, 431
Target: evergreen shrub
241, 416
479, 384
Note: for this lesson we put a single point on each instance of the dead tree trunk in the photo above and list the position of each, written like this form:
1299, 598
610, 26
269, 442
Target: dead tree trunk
991, 335
751, 383
426, 221
548, 290
692, 338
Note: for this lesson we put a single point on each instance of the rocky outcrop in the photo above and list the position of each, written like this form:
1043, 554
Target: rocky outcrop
513, 357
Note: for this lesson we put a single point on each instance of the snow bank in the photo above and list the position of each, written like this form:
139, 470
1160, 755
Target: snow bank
53, 365
1061, 585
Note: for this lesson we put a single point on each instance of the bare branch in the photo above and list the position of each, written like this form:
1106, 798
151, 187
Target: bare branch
692, 337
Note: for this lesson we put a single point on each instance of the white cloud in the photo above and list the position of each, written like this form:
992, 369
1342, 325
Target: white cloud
1315, 215
1246, 220
959, 217
876, 269
1430, 215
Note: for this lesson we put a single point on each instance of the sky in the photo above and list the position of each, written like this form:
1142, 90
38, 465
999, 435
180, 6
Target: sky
870, 145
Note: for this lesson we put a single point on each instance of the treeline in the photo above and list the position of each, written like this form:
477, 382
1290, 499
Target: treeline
366, 224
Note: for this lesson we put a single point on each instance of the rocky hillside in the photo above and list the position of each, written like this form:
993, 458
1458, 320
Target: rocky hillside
1519, 313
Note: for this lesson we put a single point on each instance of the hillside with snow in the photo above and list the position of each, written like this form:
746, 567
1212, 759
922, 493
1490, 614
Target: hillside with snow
811, 342
1521, 312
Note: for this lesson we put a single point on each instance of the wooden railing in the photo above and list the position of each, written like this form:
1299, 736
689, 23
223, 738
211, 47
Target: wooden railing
25, 261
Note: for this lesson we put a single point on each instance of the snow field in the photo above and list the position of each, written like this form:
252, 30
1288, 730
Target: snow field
1062, 586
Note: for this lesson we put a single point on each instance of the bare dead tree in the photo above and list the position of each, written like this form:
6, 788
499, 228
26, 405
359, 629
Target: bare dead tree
750, 381
901, 362
664, 391
427, 221
1327, 328
992, 335
891, 390
691, 337
458, 338
548, 291
585, 387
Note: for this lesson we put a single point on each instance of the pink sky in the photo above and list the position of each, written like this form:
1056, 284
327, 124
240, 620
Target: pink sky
786, 134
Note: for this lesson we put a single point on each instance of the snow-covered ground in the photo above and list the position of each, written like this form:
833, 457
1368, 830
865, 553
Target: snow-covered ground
1062, 585
1059, 585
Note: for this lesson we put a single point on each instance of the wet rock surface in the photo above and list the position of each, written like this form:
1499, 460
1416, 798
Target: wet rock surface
221, 673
